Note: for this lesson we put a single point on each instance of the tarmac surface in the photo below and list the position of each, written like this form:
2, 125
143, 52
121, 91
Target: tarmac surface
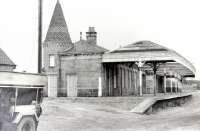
113, 113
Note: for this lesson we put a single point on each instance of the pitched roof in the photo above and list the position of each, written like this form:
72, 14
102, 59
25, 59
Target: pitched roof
4, 59
83, 47
58, 31
141, 46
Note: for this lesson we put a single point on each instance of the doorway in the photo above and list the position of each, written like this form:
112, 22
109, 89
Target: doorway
71, 85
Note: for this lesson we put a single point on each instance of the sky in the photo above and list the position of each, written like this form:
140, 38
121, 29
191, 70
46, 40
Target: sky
172, 23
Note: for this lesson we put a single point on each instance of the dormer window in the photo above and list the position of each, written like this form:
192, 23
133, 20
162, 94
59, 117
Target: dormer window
51, 60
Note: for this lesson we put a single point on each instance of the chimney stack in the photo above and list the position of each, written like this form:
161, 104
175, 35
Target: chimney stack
91, 36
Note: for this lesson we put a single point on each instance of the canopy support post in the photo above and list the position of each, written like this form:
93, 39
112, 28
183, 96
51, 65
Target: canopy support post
140, 64
165, 75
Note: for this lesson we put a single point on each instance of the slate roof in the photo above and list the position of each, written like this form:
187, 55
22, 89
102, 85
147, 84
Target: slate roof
58, 31
83, 47
150, 51
141, 46
4, 59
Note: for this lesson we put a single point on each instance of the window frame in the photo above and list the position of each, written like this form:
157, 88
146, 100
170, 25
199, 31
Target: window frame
52, 60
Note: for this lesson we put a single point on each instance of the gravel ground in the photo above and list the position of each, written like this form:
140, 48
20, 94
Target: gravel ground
99, 114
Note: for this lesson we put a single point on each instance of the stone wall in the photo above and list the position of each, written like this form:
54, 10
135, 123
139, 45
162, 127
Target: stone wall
87, 68
50, 49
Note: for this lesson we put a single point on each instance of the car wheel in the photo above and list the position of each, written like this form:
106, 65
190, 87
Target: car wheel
27, 124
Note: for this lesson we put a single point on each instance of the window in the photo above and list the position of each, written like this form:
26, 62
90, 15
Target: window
51, 60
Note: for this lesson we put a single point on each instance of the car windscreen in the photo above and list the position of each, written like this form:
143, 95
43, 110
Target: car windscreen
6, 95
26, 96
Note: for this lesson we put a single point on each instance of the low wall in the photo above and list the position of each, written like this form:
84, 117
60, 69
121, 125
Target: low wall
162, 103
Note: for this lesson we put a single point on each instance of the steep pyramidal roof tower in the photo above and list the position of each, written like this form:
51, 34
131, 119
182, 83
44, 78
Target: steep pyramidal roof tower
58, 32
57, 38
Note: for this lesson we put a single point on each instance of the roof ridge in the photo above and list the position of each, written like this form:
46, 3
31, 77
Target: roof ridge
94, 45
82, 47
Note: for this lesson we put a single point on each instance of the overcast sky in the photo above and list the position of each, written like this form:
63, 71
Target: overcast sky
171, 23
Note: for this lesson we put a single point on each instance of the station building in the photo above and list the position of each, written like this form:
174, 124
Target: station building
84, 68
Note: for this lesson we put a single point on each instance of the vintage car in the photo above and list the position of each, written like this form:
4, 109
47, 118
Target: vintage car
21, 95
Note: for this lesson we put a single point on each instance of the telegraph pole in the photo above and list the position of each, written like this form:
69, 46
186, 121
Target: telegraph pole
40, 36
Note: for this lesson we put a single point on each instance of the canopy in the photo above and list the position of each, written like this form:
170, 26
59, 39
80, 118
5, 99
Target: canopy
147, 51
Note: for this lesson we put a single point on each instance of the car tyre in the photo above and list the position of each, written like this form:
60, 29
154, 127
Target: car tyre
27, 124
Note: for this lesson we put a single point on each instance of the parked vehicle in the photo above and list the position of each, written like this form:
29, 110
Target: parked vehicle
20, 101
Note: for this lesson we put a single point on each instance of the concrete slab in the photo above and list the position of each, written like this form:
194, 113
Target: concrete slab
143, 106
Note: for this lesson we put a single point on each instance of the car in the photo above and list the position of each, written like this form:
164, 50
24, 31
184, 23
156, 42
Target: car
20, 102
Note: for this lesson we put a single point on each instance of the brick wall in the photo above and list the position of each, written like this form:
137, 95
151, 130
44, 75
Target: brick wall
50, 49
88, 70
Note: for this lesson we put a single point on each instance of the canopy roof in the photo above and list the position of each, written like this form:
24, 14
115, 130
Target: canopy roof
23, 86
22, 80
148, 51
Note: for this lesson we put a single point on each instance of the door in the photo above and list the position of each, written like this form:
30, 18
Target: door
160, 81
52, 86
71, 85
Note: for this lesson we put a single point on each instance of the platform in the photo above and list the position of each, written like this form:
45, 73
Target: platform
160, 101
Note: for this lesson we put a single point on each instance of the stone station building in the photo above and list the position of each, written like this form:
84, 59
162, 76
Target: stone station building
84, 68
